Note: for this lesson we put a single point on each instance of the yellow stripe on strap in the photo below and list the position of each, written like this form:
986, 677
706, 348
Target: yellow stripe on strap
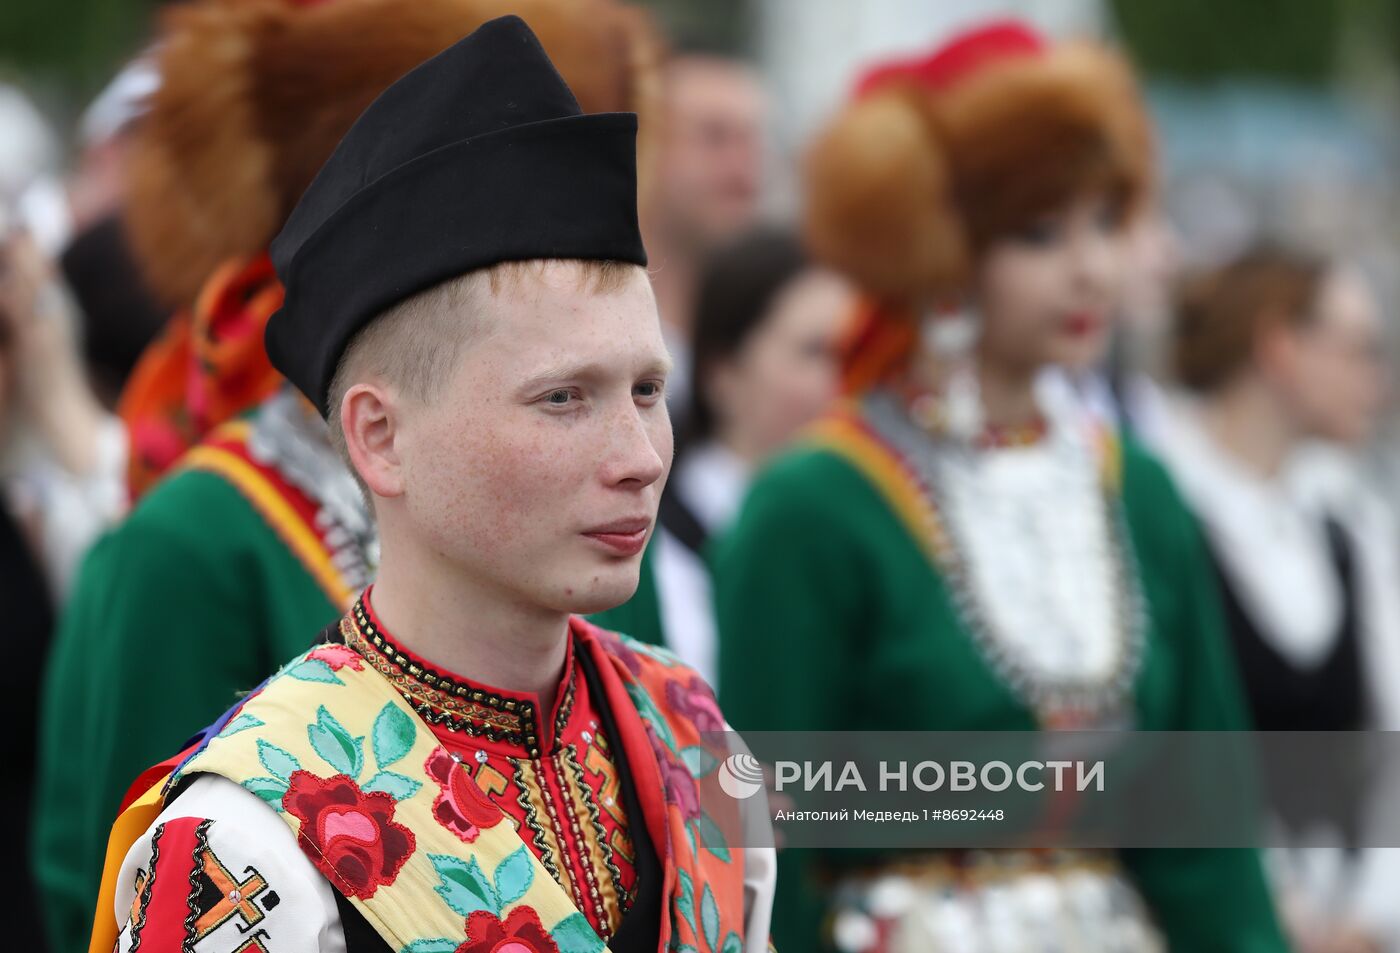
285, 520
842, 434
904, 496
129, 826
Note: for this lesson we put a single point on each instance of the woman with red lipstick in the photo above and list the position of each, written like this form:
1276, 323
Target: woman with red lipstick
953, 551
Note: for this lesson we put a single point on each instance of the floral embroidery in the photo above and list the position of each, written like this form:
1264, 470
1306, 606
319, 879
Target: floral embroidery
337, 657
695, 701
462, 807
676, 779
619, 650
520, 932
378, 833
482, 895
349, 834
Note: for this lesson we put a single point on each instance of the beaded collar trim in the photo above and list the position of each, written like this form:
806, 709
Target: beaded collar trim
880, 439
455, 704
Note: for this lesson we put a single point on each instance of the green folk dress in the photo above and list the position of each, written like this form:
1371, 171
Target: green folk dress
833, 616
222, 571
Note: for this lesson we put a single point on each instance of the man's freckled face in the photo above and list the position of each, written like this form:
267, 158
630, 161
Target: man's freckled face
553, 425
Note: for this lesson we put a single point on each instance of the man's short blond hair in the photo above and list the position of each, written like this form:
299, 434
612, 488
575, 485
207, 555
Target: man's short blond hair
414, 345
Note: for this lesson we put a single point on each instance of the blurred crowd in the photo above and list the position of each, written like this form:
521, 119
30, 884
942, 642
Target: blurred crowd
149, 450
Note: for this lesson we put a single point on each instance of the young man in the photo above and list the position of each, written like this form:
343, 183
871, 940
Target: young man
263, 504
461, 763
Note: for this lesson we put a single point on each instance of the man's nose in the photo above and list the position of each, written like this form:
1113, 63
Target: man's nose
633, 456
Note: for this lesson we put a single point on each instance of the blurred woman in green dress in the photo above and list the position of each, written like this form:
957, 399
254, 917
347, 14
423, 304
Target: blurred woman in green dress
954, 550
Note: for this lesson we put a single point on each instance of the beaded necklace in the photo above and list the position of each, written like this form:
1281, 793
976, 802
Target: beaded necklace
1057, 700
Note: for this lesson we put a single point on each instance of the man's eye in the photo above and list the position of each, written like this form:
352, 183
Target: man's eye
558, 398
649, 389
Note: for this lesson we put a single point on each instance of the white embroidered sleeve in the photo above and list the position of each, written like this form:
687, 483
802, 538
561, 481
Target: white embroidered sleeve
221, 872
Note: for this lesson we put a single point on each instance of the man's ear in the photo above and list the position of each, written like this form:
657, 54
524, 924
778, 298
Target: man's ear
369, 417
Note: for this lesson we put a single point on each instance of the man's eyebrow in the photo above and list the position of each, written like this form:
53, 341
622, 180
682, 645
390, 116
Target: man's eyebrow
662, 364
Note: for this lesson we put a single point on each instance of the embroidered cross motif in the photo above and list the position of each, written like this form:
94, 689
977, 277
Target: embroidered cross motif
220, 895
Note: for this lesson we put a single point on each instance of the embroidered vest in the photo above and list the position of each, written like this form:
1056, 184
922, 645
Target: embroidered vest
400, 829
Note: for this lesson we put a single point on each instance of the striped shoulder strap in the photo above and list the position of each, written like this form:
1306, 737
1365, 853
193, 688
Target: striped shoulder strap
393, 821
284, 507
846, 432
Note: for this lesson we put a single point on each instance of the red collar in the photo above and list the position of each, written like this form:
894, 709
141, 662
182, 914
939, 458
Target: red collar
508, 721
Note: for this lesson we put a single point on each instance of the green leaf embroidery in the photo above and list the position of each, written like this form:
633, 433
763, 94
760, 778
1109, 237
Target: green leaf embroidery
280, 763
313, 670
392, 735
699, 760
271, 790
685, 900
396, 786
690, 836
442, 945
514, 876
574, 935
711, 837
335, 745
464, 886
732, 944
709, 918
241, 723
651, 714
657, 652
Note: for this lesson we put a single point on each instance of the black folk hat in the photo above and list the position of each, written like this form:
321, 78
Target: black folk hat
478, 156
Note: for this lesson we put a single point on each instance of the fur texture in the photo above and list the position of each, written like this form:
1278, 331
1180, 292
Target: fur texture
907, 186
255, 94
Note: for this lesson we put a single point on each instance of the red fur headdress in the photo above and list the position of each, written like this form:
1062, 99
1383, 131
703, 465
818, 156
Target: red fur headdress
937, 156
255, 94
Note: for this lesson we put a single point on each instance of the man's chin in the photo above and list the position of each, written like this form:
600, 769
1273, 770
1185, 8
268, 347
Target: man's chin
604, 590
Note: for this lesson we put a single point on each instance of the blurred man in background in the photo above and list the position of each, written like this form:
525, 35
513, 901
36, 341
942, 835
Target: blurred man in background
705, 188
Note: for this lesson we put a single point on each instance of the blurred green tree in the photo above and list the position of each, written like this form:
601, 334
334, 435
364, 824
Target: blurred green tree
1292, 41
70, 48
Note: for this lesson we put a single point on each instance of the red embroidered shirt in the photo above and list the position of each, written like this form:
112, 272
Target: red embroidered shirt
552, 773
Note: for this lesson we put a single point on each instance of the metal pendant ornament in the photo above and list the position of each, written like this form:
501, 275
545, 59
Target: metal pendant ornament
951, 339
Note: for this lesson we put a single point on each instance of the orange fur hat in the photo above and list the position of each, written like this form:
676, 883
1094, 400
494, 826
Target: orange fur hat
255, 94
937, 156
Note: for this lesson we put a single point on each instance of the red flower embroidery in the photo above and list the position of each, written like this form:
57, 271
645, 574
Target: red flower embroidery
350, 835
695, 701
676, 780
337, 657
462, 807
521, 932
615, 647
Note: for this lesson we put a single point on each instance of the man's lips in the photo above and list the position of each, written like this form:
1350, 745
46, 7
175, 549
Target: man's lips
626, 537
